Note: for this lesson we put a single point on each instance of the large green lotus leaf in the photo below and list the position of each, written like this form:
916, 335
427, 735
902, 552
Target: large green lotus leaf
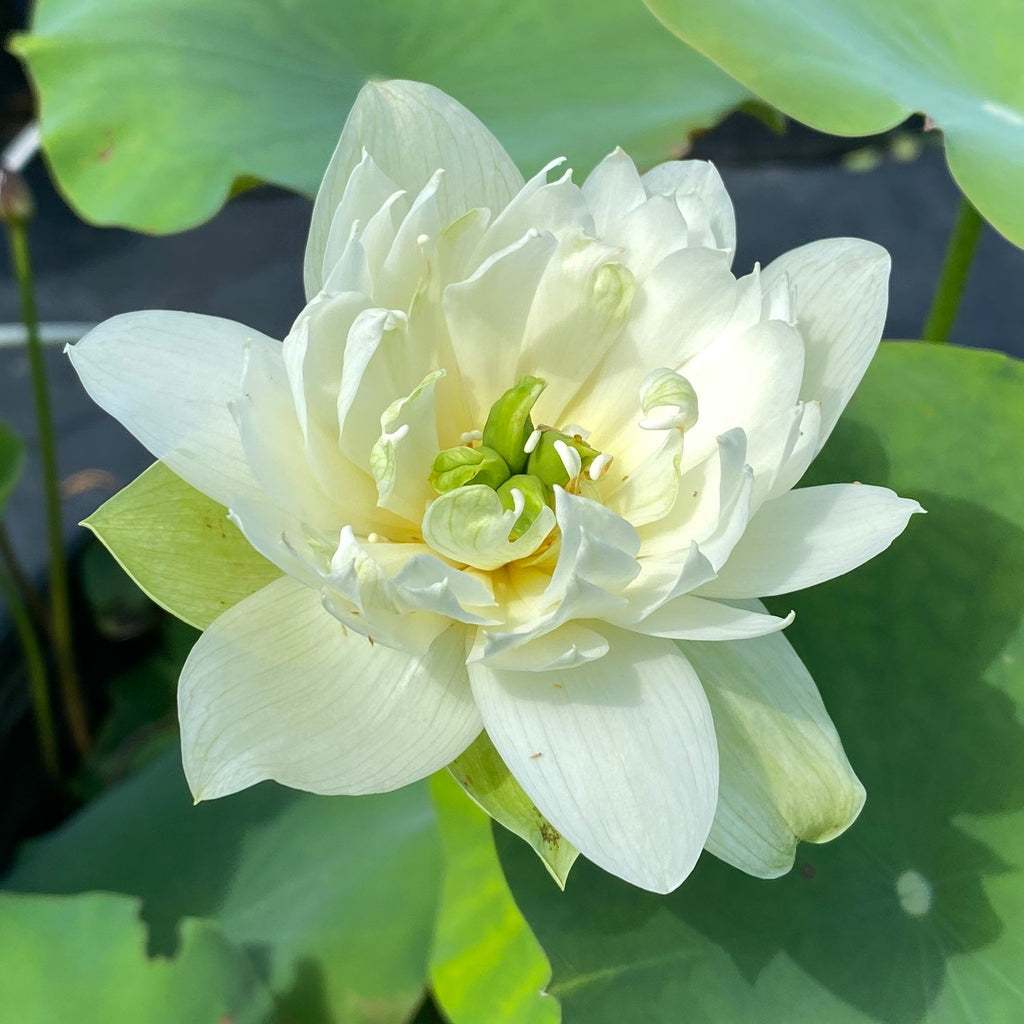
915, 914
180, 547
334, 898
485, 966
853, 67
12, 458
152, 108
83, 959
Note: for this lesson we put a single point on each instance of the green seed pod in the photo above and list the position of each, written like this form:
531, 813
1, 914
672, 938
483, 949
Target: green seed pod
508, 423
533, 501
547, 463
456, 467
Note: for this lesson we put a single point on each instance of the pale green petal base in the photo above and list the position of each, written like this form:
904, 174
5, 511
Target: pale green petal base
180, 547
483, 775
783, 774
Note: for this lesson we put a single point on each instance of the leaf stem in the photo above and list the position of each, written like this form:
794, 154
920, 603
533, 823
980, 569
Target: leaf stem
36, 667
29, 594
955, 267
71, 695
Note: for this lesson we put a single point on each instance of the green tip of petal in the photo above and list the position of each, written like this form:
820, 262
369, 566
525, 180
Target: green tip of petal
508, 425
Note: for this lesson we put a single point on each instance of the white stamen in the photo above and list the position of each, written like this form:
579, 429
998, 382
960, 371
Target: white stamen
422, 239
375, 538
668, 401
532, 441
518, 502
599, 466
575, 430
397, 436
471, 435
666, 417
570, 459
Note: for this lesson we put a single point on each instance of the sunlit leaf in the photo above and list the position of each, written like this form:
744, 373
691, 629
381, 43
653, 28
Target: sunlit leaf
152, 108
485, 966
334, 898
854, 67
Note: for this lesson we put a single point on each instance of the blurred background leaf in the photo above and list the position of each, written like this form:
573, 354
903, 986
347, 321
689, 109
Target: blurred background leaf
333, 900
485, 966
83, 959
914, 915
151, 109
12, 458
855, 67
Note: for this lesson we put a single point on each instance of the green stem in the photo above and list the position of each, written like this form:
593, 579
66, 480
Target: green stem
29, 594
959, 254
36, 666
74, 706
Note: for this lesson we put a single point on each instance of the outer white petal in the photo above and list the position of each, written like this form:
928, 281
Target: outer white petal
800, 451
744, 380
784, 775
782, 449
411, 130
278, 689
648, 234
274, 448
651, 491
486, 316
168, 377
406, 264
366, 191
282, 539
700, 195
556, 206
705, 493
696, 618
618, 754
687, 301
313, 353
579, 312
613, 189
811, 535
400, 595
380, 365
565, 647
402, 457
840, 290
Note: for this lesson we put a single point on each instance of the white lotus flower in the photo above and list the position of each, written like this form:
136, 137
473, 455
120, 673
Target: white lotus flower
525, 460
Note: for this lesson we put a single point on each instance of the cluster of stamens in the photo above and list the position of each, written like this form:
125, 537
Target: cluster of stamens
522, 462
